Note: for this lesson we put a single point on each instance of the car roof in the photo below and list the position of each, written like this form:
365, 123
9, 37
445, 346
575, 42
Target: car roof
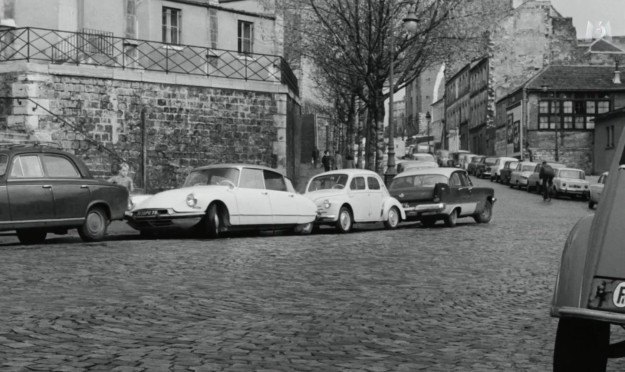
505, 158
349, 171
237, 165
570, 169
439, 171
528, 163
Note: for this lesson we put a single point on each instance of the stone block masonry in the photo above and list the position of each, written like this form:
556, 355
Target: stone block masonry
187, 126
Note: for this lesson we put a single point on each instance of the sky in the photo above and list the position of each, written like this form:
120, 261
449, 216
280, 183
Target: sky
584, 11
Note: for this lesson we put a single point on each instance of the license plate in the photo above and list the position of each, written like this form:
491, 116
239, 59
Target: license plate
146, 213
607, 294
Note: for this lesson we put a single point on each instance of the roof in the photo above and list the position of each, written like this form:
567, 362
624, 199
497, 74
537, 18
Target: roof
610, 115
603, 46
575, 78
420, 171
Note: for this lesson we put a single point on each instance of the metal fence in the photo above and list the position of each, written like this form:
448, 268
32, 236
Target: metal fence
92, 47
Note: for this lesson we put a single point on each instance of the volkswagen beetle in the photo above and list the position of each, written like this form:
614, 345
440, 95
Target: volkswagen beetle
219, 198
589, 293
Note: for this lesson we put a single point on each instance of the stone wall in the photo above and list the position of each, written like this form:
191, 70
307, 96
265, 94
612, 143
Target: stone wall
187, 126
574, 148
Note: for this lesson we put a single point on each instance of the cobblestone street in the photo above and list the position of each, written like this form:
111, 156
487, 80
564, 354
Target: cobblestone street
471, 298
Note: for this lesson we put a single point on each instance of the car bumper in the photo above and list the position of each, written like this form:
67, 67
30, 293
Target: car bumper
576, 312
424, 210
184, 221
573, 191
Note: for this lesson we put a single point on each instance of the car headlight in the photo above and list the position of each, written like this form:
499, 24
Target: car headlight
585, 186
564, 185
327, 204
191, 200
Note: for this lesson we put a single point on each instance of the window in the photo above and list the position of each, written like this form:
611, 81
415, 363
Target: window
4, 161
577, 114
464, 178
454, 181
59, 167
358, 183
246, 37
274, 181
26, 166
252, 179
373, 183
171, 25
609, 136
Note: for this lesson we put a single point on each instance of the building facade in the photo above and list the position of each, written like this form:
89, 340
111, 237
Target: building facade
123, 82
457, 108
608, 131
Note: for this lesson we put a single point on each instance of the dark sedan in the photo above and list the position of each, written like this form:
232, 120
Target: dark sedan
506, 172
45, 190
472, 166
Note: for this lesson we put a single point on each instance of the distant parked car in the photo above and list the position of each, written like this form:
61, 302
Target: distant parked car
472, 166
533, 181
570, 182
522, 172
422, 156
458, 158
430, 195
505, 173
498, 166
225, 197
596, 189
404, 165
464, 160
47, 190
347, 196
589, 293
483, 169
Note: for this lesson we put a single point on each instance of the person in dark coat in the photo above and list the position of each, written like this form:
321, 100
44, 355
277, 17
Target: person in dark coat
326, 160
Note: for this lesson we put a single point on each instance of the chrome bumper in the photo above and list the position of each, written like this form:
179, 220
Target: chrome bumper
576, 312
184, 221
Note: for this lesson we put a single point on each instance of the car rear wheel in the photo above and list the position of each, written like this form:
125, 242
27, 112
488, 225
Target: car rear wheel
486, 214
31, 236
304, 229
581, 345
591, 204
450, 221
393, 218
345, 221
94, 227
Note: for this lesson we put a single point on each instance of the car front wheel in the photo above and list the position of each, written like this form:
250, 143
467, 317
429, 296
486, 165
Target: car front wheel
212, 222
94, 227
581, 345
393, 218
450, 221
31, 236
591, 204
345, 221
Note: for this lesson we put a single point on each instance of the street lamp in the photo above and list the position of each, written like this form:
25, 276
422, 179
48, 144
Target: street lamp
410, 23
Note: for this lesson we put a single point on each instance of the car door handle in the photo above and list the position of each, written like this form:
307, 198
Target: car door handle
46, 186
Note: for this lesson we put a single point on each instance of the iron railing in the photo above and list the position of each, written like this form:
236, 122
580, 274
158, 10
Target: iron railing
102, 49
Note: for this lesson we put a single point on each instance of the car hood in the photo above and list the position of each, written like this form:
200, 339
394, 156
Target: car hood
323, 194
171, 198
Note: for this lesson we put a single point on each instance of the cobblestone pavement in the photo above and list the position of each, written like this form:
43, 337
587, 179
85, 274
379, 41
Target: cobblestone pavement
471, 298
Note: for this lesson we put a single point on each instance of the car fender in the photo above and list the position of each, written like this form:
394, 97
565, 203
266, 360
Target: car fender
392, 202
569, 283
226, 196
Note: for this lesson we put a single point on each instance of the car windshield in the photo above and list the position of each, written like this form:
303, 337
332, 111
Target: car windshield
328, 181
476, 160
528, 168
512, 165
421, 180
567, 173
212, 176
423, 157
490, 161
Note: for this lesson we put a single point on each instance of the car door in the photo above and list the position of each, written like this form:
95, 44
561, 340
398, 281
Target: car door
253, 199
30, 194
456, 191
359, 198
467, 195
70, 192
283, 207
376, 198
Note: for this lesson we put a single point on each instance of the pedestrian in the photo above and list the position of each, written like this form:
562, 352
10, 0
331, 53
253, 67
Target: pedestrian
122, 177
338, 160
326, 160
349, 159
315, 157
546, 175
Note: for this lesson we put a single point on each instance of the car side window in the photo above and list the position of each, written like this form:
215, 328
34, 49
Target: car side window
59, 167
26, 166
4, 162
465, 179
373, 183
358, 183
274, 181
252, 179
454, 180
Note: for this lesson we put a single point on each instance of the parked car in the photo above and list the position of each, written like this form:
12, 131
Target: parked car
589, 293
533, 181
347, 196
522, 172
465, 160
472, 166
596, 189
424, 157
483, 168
505, 173
226, 197
496, 168
46, 190
458, 158
422, 162
570, 182
430, 195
